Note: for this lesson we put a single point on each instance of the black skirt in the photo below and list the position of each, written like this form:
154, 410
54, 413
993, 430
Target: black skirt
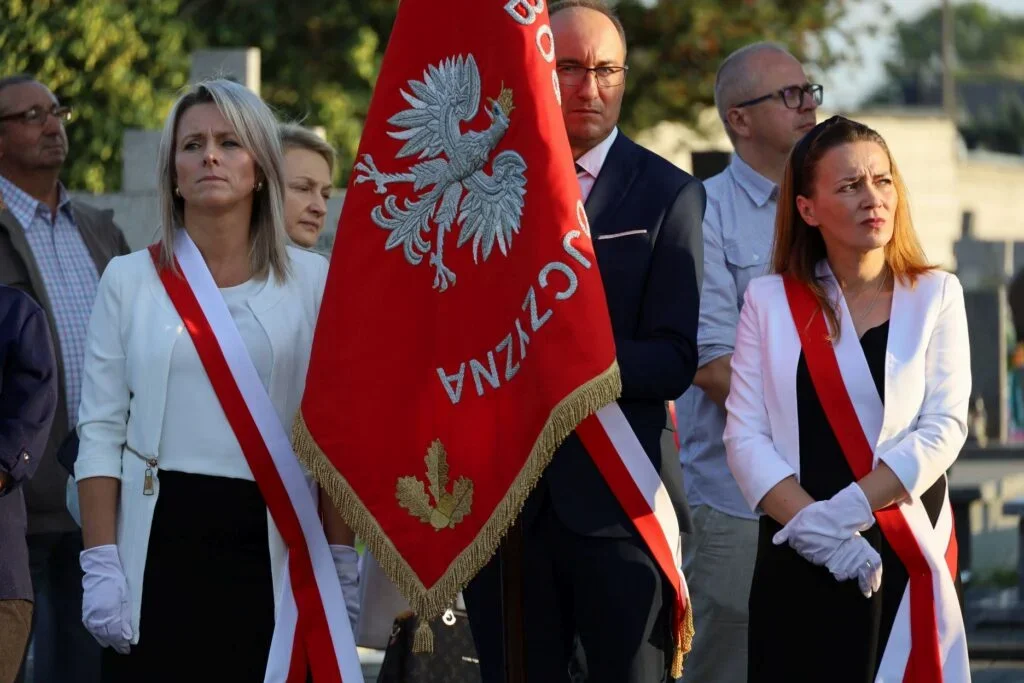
208, 598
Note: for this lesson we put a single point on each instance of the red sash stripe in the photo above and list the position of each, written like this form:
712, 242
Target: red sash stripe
610, 463
316, 647
925, 663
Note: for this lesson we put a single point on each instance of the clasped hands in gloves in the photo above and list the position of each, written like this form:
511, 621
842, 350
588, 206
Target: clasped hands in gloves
106, 610
827, 533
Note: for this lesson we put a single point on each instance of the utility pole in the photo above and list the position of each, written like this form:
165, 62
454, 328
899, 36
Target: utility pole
948, 61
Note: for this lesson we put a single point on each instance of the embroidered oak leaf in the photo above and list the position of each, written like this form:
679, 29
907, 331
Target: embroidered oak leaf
450, 508
462, 495
413, 497
437, 469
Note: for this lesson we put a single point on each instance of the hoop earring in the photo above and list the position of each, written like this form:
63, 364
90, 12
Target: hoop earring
177, 191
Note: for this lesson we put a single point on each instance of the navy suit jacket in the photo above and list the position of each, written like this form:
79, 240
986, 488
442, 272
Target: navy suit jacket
652, 282
28, 400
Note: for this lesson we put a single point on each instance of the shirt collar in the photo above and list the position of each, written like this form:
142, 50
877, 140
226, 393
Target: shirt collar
593, 160
24, 206
760, 189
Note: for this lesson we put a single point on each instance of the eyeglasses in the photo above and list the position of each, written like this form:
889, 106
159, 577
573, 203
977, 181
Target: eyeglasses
36, 116
792, 96
607, 76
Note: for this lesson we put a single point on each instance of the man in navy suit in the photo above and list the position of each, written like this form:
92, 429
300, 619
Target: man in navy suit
588, 578
28, 400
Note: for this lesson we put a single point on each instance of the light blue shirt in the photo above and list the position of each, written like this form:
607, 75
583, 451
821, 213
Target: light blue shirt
739, 225
69, 276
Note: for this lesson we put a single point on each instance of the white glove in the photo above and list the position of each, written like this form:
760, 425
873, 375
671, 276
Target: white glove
346, 563
817, 531
106, 612
856, 559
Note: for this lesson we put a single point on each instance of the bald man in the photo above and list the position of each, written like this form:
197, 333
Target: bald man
766, 104
587, 574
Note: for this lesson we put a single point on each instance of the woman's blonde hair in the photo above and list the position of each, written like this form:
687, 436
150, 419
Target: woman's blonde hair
256, 128
799, 247
294, 136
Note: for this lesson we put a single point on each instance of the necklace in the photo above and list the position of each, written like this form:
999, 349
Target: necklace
878, 290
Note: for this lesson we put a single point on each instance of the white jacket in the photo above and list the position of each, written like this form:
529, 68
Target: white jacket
132, 333
918, 431
923, 424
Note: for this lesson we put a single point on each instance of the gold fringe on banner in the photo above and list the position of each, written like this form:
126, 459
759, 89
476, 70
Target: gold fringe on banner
429, 603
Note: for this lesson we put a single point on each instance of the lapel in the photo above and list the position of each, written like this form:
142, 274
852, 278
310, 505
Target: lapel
613, 182
90, 229
901, 327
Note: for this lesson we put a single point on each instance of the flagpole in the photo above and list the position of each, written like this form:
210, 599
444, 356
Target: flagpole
513, 626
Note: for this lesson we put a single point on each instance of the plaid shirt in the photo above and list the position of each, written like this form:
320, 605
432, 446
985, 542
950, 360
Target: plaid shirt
69, 275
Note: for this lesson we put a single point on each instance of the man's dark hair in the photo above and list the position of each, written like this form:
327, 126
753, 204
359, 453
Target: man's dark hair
597, 6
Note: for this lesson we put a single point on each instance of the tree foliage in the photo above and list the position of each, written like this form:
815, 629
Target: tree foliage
320, 59
675, 47
118, 62
989, 70
121, 62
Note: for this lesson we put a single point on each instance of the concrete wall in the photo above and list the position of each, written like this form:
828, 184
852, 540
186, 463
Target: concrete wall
992, 187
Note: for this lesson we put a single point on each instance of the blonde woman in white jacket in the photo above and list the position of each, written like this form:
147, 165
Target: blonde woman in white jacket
183, 563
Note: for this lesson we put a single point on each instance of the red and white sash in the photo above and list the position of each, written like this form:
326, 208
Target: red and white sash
311, 630
638, 487
927, 643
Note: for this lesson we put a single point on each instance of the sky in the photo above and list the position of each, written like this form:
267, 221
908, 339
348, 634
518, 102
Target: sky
846, 87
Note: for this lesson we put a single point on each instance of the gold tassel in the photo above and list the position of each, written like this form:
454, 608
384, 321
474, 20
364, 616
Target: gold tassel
423, 641
684, 643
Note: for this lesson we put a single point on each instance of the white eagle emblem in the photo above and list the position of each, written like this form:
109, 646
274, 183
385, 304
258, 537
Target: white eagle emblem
451, 181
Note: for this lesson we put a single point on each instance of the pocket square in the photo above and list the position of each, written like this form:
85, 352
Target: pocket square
617, 235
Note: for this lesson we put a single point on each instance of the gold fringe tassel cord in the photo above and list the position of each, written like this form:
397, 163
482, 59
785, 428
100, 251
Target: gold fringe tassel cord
423, 640
429, 603
684, 643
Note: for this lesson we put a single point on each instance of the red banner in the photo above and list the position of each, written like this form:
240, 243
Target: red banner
464, 331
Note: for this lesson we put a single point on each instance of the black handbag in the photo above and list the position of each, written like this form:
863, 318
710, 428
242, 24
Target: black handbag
453, 660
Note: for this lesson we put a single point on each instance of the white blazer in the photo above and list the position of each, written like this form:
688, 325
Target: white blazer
132, 333
921, 428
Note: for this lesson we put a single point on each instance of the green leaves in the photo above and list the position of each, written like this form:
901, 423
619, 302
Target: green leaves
989, 70
118, 62
122, 62
675, 47
320, 61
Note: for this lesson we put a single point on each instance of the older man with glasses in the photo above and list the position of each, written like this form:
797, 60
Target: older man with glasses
766, 105
55, 249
